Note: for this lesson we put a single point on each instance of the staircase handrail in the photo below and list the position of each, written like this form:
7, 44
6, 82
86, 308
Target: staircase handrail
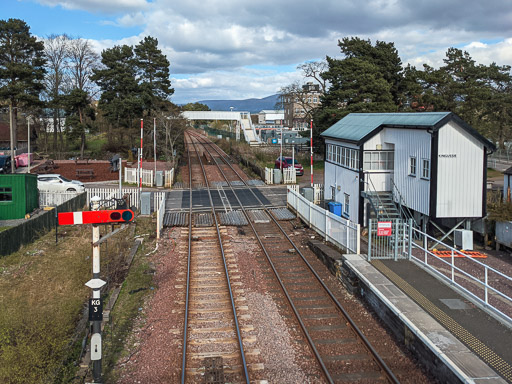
403, 211
373, 191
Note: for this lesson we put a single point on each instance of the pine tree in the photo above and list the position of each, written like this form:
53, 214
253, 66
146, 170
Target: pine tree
21, 67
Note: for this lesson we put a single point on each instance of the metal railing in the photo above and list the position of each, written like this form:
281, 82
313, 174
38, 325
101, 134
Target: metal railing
371, 192
404, 211
337, 230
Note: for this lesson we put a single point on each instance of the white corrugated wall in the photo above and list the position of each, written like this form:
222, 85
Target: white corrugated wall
460, 173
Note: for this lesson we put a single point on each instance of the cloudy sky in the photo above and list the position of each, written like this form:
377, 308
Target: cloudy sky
227, 49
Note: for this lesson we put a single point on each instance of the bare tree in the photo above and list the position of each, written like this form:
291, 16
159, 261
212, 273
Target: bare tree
172, 126
313, 70
56, 54
82, 61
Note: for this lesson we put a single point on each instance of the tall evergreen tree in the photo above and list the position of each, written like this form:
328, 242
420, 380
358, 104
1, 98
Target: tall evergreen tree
120, 100
366, 80
21, 66
153, 74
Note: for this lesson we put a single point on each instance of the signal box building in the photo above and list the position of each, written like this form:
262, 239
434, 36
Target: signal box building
429, 166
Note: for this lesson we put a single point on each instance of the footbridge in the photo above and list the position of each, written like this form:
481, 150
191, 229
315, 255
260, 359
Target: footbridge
243, 120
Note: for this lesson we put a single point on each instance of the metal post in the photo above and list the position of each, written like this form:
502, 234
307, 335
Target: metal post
96, 294
311, 152
281, 153
28, 138
11, 137
120, 179
140, 173
409, 247
154, 145
293, 164
397, 229
453, 267
369, 239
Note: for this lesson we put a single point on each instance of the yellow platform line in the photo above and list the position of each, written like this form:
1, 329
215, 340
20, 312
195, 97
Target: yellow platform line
473, 343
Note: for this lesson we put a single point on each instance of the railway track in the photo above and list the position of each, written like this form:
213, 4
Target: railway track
341, 350
213, 351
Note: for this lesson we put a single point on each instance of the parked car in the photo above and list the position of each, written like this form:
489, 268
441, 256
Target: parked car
287, 162
5, 164
57, 183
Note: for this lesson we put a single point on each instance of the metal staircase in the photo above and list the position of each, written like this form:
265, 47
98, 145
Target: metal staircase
383, 206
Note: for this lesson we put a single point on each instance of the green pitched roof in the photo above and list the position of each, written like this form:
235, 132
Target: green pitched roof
356, 126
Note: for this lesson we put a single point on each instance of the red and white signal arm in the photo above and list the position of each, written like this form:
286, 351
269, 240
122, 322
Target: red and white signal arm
384, 228
96, 217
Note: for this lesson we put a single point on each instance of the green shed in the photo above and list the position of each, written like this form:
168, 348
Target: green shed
18, 195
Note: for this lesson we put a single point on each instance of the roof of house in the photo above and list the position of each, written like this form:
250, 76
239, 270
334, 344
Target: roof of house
358, 127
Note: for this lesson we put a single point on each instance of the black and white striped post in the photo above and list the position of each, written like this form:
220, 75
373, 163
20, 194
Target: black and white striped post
95, 307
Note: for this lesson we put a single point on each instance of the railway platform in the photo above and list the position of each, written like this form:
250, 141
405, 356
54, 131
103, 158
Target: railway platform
457, 340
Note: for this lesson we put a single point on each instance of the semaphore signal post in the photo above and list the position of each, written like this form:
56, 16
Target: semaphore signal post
96, 217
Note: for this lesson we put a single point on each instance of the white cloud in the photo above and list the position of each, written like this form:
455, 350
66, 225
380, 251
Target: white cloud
99, 6
216, 42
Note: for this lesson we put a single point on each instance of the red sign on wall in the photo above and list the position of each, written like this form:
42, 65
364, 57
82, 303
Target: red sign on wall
384, 228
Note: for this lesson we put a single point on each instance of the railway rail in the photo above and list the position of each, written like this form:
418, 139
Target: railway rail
340, 348
213, 351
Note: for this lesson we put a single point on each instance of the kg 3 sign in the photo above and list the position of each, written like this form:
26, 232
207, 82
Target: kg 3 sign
384, 228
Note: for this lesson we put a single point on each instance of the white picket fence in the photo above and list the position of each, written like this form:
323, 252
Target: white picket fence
169, 178
318, 193
131, 175
289, 175
53, 199
339, 231
269, 176
111, 193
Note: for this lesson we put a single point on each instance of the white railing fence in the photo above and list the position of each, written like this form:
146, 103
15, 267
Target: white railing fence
53, 199
111, 193
482, 283
131, 176
169, 178
318, 193
289, 175
269, 176
160, 212
339, 231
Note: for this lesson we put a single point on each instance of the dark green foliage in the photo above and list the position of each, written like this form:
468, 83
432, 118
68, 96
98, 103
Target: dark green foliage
21, 66
368, 79
195, 107
120, 100
153, 73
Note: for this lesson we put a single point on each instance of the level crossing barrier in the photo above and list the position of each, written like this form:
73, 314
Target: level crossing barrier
337, 230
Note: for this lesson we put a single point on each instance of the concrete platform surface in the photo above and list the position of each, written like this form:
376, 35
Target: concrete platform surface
454, 338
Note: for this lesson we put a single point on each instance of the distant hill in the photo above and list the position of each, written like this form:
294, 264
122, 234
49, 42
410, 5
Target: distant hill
247, 105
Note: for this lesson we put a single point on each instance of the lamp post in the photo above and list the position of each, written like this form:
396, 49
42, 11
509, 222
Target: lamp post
28, 138
11, 137
311, 152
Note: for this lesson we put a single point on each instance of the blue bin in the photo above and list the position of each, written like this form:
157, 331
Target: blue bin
335, 207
